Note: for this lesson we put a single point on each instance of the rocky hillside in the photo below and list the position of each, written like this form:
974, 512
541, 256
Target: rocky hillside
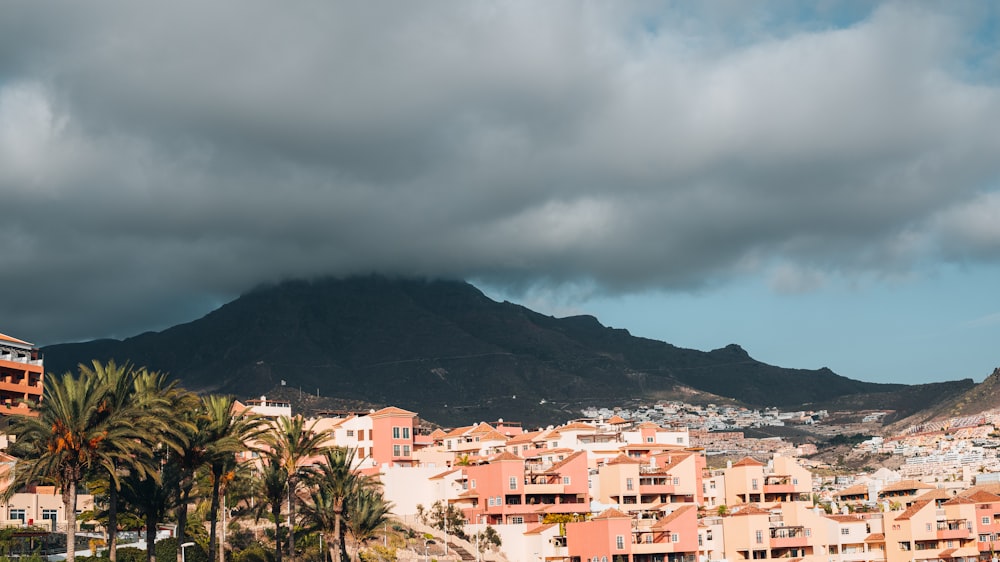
444, 349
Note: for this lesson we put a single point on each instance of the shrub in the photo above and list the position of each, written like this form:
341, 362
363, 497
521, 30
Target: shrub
166, 550
253, 553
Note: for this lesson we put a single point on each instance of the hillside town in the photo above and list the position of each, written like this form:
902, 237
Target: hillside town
620, 484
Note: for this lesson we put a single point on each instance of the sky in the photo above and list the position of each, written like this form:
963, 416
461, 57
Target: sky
816, 182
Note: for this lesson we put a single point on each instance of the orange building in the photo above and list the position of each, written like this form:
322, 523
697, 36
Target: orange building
21, 375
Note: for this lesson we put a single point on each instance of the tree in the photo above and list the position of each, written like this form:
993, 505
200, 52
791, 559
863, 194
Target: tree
366, 511
151, 498
290, 443
152, 495
270, 490
69, 436
447, 517
489, 538
189, 458
334, 484
144, 408
228, 431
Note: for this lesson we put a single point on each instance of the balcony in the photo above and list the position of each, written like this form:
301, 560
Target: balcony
19, 386
788, 537
953, 529
655, 488
544, 489
779, 489
8, 360
860, 555
652, 548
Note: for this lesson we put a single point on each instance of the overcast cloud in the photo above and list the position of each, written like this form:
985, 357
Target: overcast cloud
156, 159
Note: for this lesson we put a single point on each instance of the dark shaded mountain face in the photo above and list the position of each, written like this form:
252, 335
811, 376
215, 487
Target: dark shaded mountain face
445, 350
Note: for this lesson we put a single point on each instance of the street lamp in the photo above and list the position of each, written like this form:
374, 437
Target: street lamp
183, 546
426, 542
446, 508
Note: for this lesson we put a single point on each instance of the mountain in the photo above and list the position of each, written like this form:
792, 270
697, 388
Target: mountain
973, 400
445, 350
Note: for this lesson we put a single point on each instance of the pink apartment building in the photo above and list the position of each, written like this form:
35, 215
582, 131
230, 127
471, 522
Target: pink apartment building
510, 490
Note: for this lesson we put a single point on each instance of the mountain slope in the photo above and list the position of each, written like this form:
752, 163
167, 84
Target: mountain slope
444, 349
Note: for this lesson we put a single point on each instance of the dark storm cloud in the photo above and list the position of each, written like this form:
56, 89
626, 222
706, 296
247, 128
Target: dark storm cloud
157, 159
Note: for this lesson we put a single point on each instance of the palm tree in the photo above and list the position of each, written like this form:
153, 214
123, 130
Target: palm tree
290, 443
153, 494
229, 431
68, 437
150, 498
271, 487
366, 511
189, 459
142, 406
335, 483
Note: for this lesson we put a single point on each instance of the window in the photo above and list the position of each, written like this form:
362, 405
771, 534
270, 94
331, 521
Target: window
928, 526
350, 433
499, 500
395, 433
795, 481
986, 520
680, 440
516, 520
759, 536
565, 480
677, 481
845, 531
604, 559
16, 514
649, 440
809, 532
753, 484
512, 483
473, 484
406, 450
700, 543
524, 447
395, 450
620, 542
491, 501
406, 433
628, 484
674, 537
49, 515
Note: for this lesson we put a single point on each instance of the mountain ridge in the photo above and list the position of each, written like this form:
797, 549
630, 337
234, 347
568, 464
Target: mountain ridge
447, 351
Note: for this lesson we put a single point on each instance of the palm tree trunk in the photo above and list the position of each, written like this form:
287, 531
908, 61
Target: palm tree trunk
343, 548
69, 506
182, 511
291, 519
150, 537
222, 535
276, 513
113, 523
213, 512
331, 544
337, 534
